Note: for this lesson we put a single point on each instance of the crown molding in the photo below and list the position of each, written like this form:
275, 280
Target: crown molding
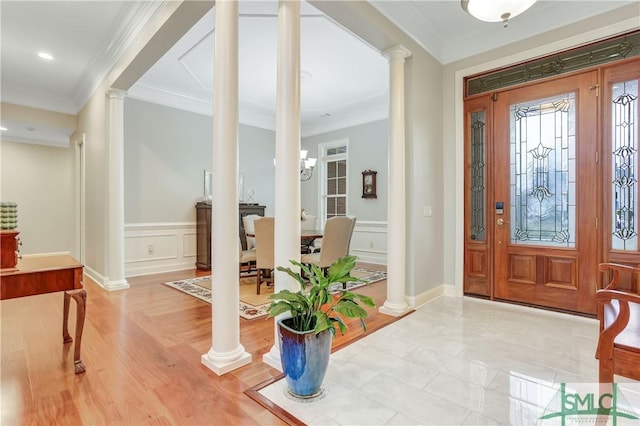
53, 142
372, 109
132, 18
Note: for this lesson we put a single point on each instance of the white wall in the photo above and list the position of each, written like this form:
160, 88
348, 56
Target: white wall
40, 179
91, 122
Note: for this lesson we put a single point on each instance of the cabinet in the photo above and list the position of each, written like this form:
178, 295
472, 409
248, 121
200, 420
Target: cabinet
203, 230
203, 235
9, 249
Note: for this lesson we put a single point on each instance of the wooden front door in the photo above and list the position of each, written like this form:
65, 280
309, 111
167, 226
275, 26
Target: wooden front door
544, 208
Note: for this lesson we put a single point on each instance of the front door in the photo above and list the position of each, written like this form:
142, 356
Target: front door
544, 208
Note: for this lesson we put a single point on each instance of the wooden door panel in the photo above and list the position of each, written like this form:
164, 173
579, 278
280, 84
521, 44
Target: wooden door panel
561, 272
546, 177
477, 264
522, 268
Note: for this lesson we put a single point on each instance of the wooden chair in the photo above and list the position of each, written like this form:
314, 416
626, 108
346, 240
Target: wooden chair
247, 259
265, 263
309, 223
335, 242
618, 349
247, 224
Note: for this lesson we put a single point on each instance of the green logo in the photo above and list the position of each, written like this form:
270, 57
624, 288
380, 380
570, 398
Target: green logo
582, 403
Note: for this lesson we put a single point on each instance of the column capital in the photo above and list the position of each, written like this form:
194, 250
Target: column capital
397, 52
116, 94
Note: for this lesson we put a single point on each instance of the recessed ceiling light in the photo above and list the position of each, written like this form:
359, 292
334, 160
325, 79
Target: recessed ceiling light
45, 55
4, 129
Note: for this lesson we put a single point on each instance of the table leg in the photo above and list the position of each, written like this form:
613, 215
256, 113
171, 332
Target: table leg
80, 296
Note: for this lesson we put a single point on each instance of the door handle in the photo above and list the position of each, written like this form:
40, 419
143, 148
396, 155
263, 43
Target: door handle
500, 221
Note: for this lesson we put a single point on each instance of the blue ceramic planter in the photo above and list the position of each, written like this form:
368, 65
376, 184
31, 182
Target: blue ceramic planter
304, 357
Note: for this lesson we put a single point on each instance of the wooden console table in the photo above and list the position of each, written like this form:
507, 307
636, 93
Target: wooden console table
49, 274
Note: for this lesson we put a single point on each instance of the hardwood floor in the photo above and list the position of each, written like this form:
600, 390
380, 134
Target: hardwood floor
142, 349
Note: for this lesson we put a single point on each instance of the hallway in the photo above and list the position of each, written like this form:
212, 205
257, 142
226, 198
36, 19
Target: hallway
458, 361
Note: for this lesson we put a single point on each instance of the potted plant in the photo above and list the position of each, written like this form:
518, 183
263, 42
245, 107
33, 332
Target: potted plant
305, 336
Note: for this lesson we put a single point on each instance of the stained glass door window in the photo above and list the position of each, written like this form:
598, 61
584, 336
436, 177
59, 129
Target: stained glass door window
543, 171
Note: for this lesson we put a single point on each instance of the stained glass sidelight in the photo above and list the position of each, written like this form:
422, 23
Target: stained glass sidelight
478, 183
624, 119
543, 163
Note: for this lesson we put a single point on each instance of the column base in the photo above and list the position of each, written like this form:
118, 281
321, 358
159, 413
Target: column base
113, 285
394, 309
272, 358
223, 364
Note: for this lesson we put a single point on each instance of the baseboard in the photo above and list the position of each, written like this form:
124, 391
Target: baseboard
366, 256
150, 268
95, 277
425, 297
451, 290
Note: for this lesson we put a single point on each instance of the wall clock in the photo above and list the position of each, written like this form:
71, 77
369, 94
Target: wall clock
369, 184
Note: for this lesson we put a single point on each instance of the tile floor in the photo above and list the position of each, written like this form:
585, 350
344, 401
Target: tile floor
460, 361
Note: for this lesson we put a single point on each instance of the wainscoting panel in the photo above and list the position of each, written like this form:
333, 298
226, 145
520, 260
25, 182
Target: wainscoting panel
152, 248
369, 242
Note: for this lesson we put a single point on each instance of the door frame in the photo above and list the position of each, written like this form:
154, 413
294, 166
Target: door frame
456, 127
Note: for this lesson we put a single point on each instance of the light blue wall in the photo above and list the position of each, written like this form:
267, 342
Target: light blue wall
166, 152
368, 150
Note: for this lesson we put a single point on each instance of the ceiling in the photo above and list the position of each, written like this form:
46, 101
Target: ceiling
87, 37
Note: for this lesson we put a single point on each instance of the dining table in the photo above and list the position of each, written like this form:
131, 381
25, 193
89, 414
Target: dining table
307, 237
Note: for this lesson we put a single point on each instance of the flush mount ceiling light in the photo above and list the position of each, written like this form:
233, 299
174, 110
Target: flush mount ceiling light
45, 55
496, 10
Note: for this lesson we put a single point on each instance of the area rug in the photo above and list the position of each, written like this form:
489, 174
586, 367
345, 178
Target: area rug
254, 305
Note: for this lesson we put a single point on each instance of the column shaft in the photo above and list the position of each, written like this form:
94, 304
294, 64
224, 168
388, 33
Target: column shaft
396, 206
287, 199
115, 279
226, 353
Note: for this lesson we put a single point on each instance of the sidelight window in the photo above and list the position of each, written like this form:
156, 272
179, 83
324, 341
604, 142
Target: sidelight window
624, 131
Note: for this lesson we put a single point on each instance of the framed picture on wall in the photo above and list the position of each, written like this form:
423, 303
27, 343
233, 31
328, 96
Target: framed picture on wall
369, 184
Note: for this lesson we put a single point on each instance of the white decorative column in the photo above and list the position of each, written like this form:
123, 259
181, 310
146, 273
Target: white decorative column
114, 277
396, 304
226, 353
287, 198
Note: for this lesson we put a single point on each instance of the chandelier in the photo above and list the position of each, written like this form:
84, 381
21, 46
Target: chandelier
496, 10
306, 165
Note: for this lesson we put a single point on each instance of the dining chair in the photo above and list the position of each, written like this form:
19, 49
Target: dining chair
265, 263
335, 242
247, 224
309, 223
247, 258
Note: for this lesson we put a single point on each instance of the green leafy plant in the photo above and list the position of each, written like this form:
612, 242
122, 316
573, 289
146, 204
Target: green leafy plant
314, 308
